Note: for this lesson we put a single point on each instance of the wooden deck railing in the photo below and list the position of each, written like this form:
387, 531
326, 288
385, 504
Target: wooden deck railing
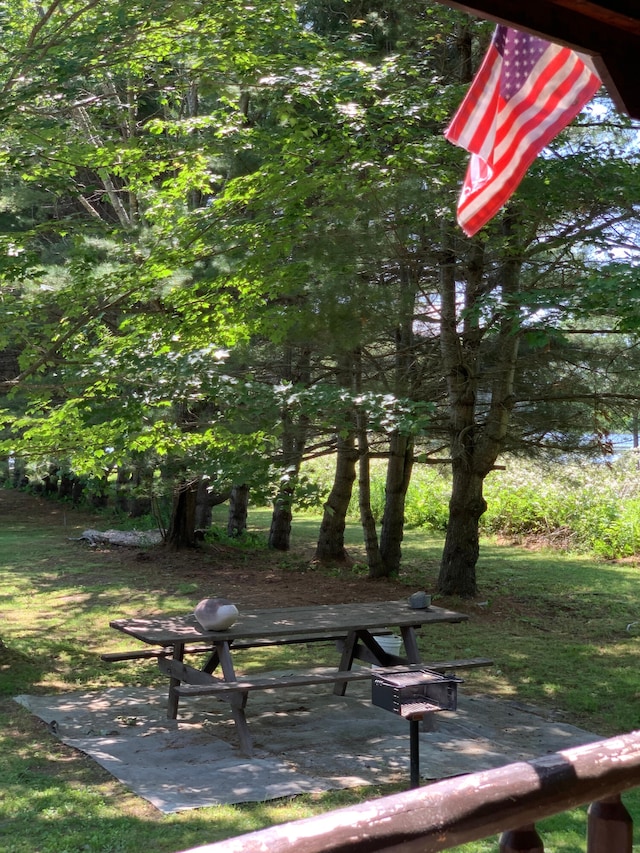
507, 800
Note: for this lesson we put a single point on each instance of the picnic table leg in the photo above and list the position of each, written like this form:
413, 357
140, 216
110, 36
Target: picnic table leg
211, 663
382, 656
410, 641
238, 700
172, 705
346, 661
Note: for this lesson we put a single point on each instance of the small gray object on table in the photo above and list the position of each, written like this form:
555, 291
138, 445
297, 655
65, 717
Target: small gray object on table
419, 600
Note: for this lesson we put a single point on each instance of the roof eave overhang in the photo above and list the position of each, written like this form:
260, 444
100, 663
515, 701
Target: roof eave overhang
607, 31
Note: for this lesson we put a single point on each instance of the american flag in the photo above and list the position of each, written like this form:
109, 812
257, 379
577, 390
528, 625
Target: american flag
525, 92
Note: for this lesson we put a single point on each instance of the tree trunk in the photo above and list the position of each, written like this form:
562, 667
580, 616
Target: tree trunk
77, 490
202, 520
182, 528
206, 499
123, 488
280, 530
19, 478
294, 435
238, 505
462, 542
367, 520
460, 357
330, 546
133, 490
400, 463
99, 494
399, 469
65, 489
51, 479
141, 490
476, 438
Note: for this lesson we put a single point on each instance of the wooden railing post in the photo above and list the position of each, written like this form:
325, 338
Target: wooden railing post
522, 840
609, 827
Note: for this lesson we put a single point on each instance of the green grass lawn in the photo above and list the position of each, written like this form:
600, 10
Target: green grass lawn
555, 625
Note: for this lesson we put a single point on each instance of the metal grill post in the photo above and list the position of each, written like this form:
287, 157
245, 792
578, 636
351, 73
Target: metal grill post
414, 747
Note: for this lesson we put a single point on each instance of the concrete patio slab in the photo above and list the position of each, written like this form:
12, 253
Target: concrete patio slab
306, 740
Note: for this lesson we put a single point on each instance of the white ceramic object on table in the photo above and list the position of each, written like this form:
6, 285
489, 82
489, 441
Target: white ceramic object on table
216, 614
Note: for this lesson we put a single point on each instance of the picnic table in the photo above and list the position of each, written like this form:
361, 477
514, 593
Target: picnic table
352, 626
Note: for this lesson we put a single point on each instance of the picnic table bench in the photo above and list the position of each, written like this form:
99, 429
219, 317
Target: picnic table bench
352, 626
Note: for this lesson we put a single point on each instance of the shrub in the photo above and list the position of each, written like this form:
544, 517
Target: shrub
427, 503
596, 505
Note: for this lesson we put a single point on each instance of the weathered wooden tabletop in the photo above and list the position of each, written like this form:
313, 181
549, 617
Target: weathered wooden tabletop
283, 621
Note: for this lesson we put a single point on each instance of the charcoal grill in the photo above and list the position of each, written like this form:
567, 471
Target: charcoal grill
412, 694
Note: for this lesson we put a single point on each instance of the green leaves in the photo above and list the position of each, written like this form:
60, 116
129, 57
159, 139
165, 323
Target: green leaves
217, 219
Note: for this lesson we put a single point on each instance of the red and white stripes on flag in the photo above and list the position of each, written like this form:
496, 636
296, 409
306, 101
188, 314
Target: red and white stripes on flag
525, 92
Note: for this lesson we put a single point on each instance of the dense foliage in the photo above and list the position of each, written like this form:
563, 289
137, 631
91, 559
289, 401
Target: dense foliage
228, 247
